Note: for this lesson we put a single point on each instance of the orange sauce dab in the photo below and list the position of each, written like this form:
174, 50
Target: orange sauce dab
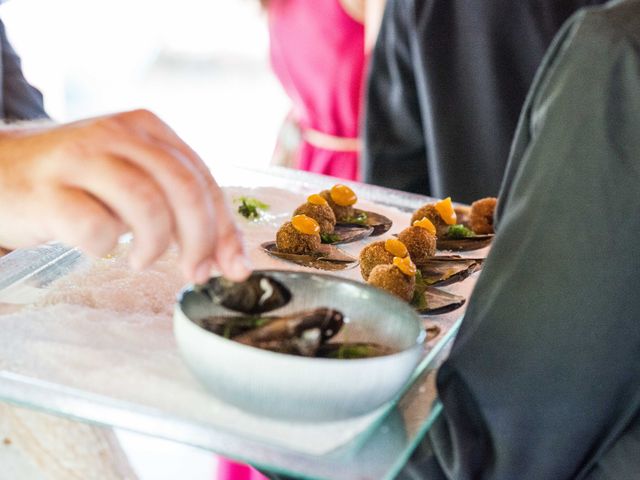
316, 199
446, 211
405, 265
306, 225
343, 195
426, 224
395, 247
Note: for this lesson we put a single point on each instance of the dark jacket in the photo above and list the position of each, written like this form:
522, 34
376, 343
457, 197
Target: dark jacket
447, 81
543, 381
18, 99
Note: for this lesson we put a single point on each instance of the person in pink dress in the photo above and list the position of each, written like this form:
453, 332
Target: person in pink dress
317, 51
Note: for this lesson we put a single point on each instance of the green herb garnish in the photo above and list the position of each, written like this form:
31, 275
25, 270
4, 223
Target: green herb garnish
350, 352
459, 231
251, 208
329, 237
419, 300
359, 219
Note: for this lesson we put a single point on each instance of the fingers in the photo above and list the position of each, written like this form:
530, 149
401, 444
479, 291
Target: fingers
229, 255
143, 175
188, 199
229, 252
79, 220
134, 198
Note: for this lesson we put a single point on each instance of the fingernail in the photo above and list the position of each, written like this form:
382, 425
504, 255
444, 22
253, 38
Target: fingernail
202, 272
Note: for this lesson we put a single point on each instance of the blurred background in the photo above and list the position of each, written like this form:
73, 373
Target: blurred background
201, 65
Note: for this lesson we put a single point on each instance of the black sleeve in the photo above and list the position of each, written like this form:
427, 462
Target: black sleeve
394, 147
20, 100
543, 381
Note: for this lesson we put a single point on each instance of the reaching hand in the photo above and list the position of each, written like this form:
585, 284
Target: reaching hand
88, 182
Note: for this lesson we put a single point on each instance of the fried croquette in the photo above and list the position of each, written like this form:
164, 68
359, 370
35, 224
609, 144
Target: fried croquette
481, 216
429, 211
390, 278
323, 214
419, 242
290, 240
373, 255
342, 214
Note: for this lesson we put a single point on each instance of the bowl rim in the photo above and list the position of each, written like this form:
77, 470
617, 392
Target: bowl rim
419, 341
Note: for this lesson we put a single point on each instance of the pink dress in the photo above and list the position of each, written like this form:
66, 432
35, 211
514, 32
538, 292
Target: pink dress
318, 54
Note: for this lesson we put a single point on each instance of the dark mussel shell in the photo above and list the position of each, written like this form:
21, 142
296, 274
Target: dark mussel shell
355, 350
344, 233
436, 301
378, 222
300, 333
230, 327
258, 294
464, 244
327, 257
445, 270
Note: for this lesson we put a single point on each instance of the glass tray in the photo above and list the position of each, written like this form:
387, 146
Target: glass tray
376, 452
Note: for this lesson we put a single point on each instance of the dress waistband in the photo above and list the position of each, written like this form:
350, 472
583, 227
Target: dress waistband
331, 142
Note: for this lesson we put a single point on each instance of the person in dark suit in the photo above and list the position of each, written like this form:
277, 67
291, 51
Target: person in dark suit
447, 81
543, 381
85, 183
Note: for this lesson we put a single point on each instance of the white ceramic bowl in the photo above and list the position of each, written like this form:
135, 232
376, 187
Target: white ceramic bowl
302, 388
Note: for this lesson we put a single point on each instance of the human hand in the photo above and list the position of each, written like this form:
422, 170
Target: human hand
88, 182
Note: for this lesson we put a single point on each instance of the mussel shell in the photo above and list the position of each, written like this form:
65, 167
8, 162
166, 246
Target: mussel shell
432, 331
438, 302
229, 327
258, 294
328, 257
464, 244
447, 270
328, 321
354, 350
348, 233
378, 222
299, 333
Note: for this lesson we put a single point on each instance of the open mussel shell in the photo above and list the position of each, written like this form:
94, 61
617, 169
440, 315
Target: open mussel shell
300, 333
438, 301
378, 222
464, 244
433, 331
327, 257
348, 233
258, 294
446, 270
